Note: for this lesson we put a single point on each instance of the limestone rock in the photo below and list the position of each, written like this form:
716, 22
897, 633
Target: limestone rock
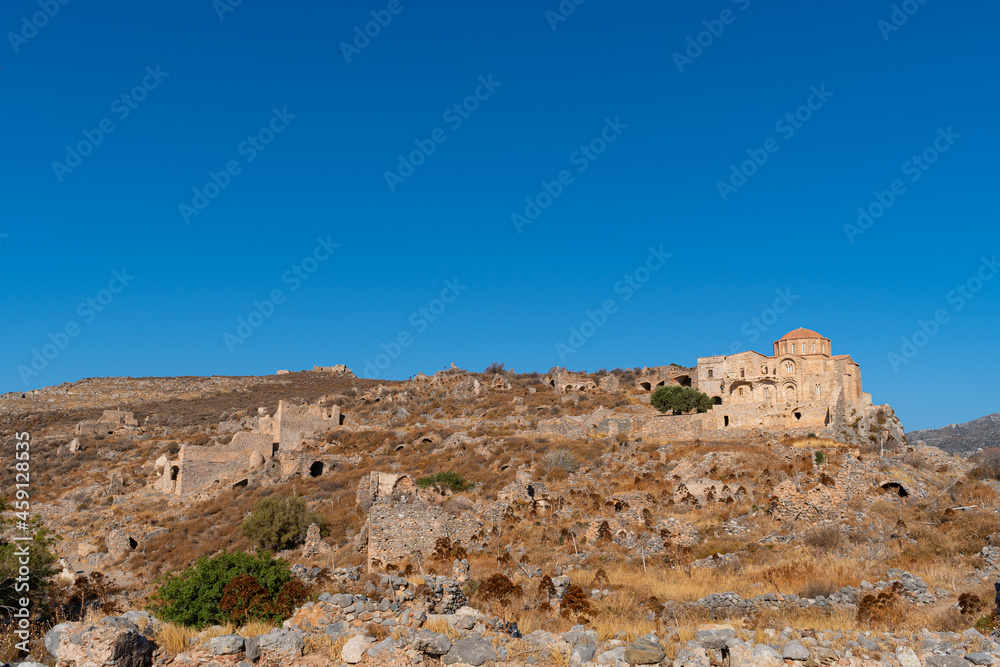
644, 652
473, 651
766, 656
226, 645
108, 646
431, 643
794, 650
354, 650
947, 661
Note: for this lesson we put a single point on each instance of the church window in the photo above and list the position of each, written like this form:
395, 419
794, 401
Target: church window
711, 373
789, 367
814, 348
743, 373
819, 390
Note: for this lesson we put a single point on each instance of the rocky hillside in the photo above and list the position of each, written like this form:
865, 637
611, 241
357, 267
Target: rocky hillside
475, 518
963, 438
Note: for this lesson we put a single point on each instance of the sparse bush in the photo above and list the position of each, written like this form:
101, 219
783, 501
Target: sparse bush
279, 523
575, 601
495, 368
449, 479
680, 400
193, 597
561, 460
820, 458
884, 609
987, 464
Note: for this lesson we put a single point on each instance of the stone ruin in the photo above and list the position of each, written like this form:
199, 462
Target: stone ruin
112, 422
665, 376
280, 438
338, 369
293, 424
402, 525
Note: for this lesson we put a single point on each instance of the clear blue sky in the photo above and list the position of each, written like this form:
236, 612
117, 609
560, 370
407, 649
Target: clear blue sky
660, 131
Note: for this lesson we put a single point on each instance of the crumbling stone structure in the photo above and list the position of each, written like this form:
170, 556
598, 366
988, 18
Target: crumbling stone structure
112, 422
665, 376
564, 381
401, 525
339, 369
292, 424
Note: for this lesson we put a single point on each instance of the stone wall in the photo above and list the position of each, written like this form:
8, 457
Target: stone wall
200, 468
397, 530
292, 424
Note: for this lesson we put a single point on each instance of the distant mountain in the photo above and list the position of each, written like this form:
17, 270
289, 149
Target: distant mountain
968, 437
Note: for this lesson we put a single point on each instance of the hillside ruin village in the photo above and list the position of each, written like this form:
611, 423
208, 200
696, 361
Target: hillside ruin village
750, 533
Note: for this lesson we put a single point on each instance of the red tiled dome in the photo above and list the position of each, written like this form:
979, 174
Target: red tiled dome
801, 333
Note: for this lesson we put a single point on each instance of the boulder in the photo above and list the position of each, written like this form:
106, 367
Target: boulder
766, 656
644, 651
431, 643
473, 651
354, 650
281, 645
795, 650
947, 661
105, 645
227, 645
980, 659
612, 657
386, 646
906, 657
582, 653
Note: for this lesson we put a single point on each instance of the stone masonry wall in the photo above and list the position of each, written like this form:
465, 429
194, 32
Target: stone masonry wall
397, 530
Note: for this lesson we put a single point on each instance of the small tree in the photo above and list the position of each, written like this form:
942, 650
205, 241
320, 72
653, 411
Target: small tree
495, 368
278, 522
680, 400
194, 596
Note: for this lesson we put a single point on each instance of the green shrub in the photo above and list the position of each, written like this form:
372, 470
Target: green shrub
279, 523
820, 458
450, 479
680, 399
193, 596
37, 585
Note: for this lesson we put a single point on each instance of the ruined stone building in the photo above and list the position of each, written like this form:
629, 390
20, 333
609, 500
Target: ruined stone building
402, 526
279, 438
112, 422
802, 384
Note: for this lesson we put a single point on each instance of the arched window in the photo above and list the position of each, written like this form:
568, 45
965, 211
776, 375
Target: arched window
789, 367
743, 373
819, 390
793, 348
814, 348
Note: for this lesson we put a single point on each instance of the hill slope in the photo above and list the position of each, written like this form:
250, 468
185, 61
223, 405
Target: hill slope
970, 436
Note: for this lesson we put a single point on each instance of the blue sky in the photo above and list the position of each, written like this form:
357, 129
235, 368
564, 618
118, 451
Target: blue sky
247, 156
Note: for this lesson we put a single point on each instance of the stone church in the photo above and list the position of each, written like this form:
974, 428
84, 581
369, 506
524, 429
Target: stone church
803, 384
